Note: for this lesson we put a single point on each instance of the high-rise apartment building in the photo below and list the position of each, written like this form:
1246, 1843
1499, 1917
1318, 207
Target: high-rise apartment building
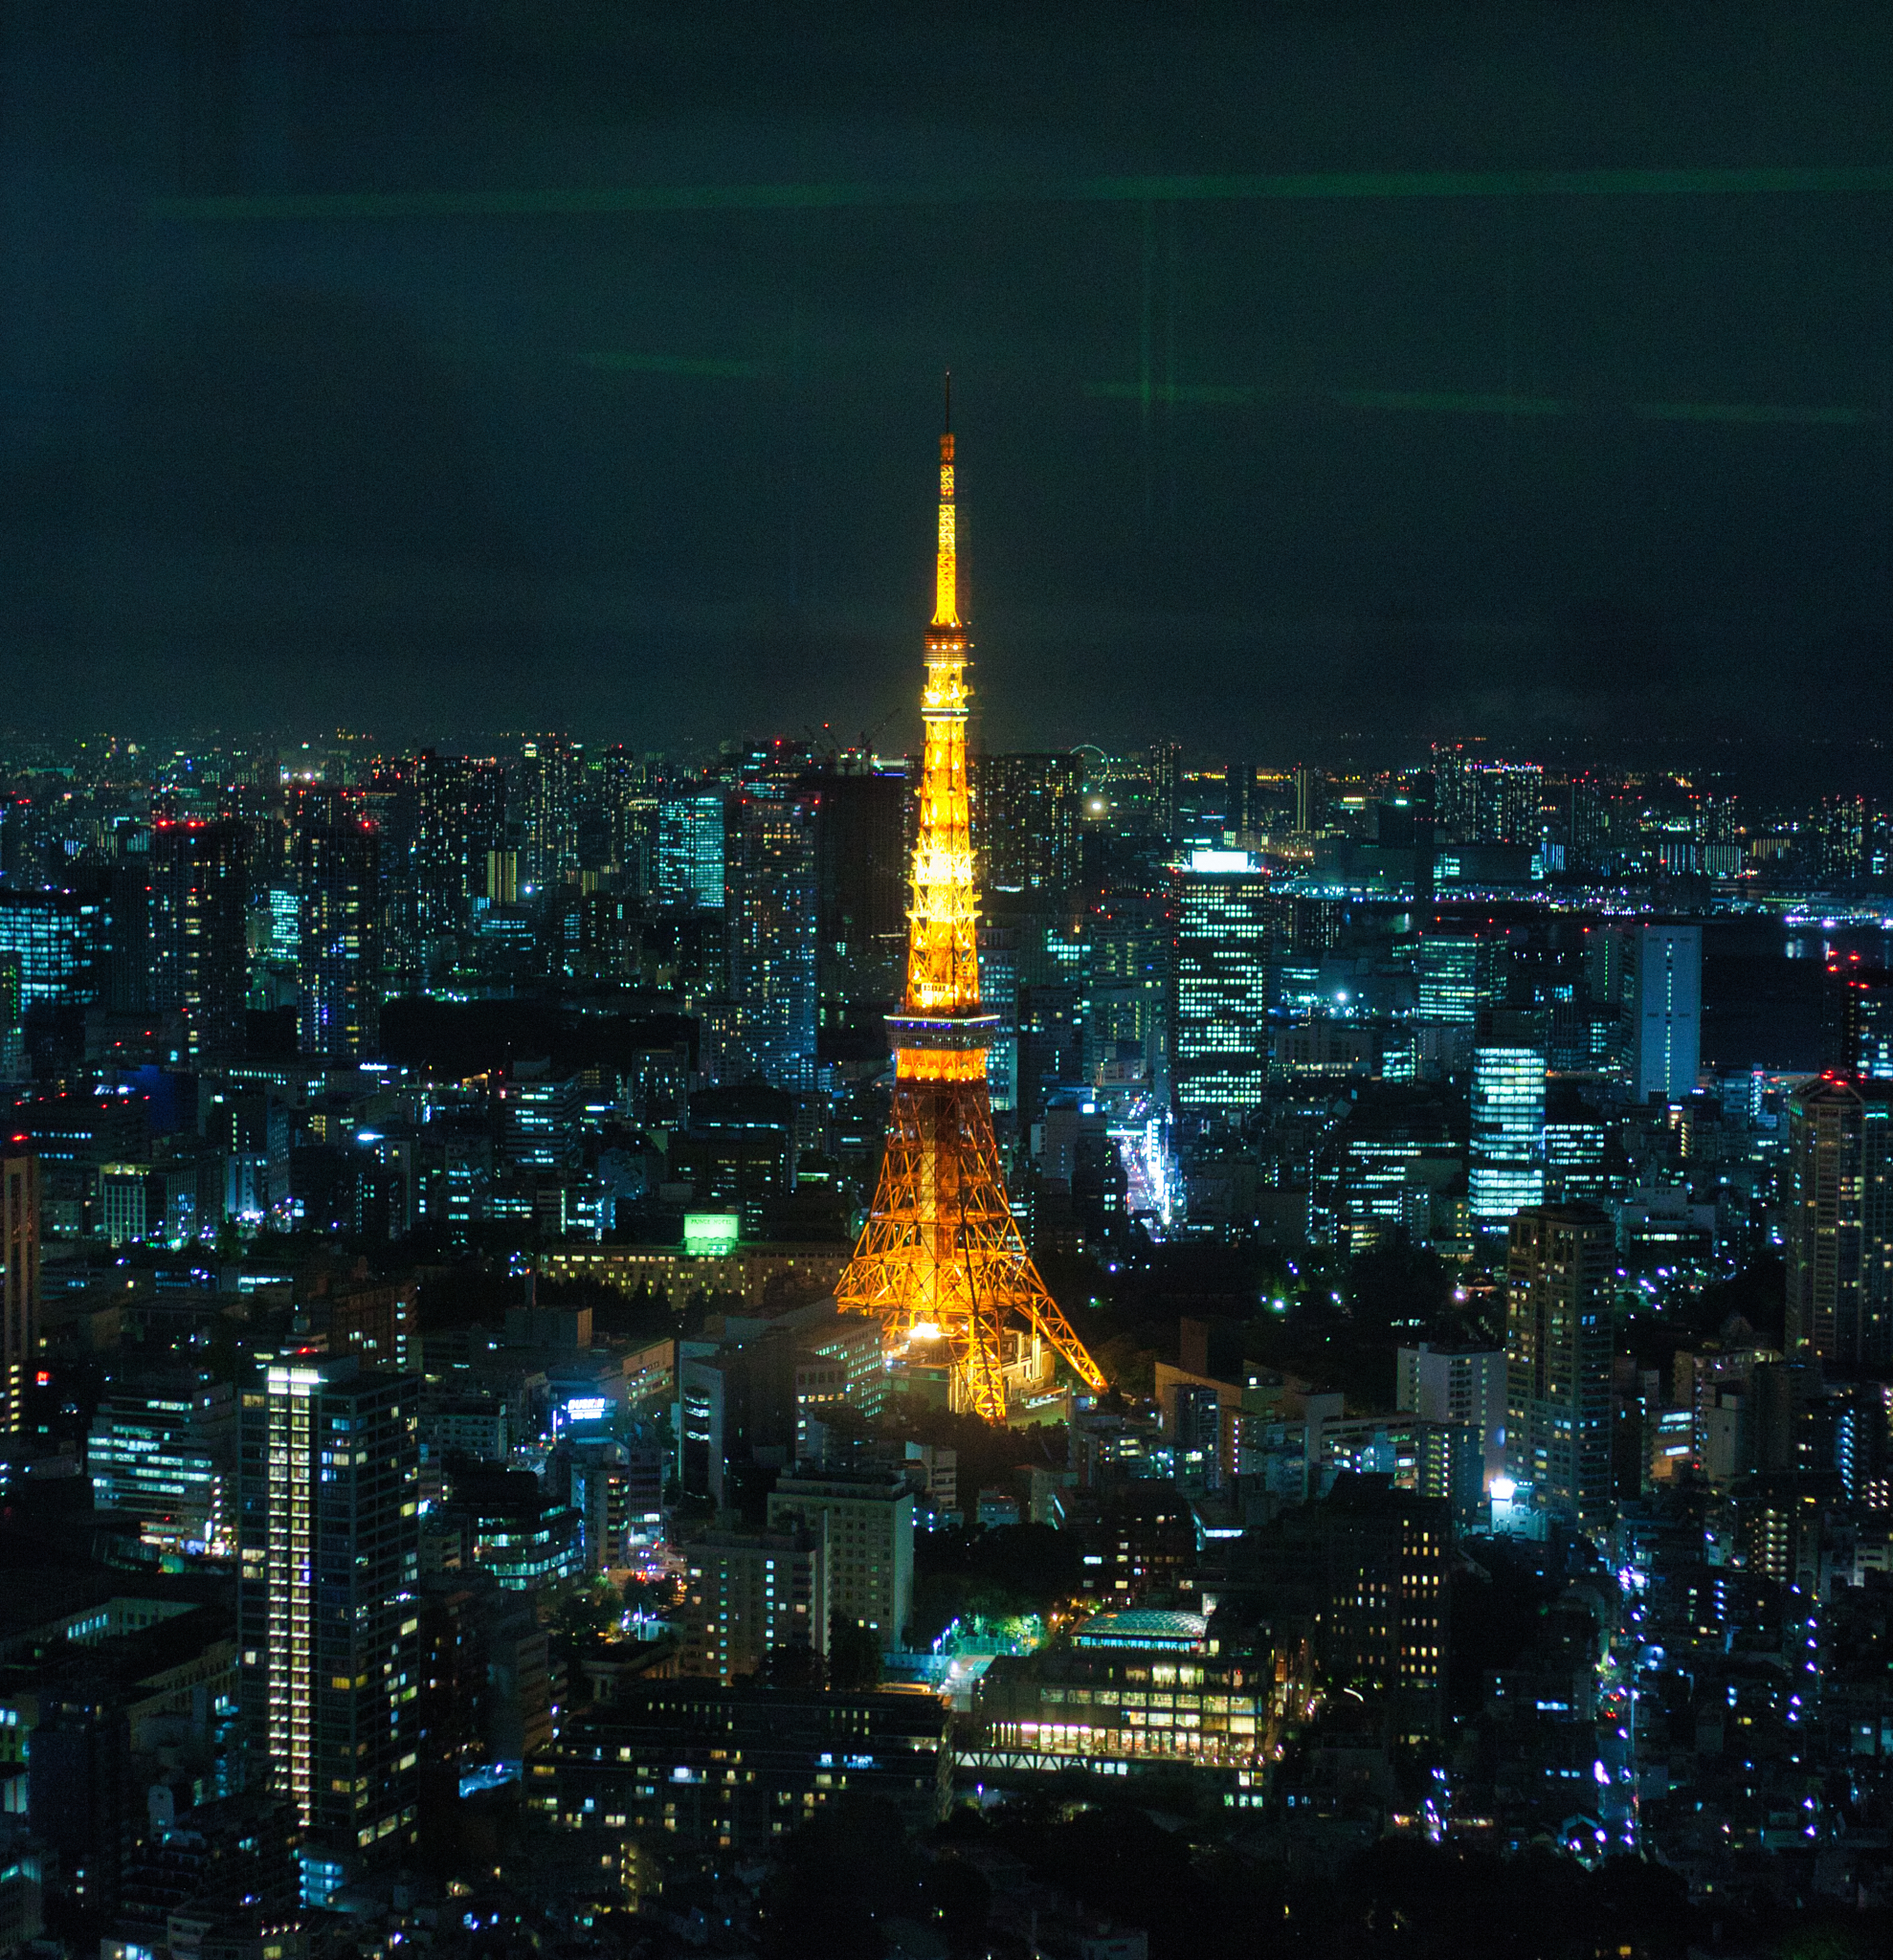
1224, 939
330, 1552
1464, 1386
749, 1593
199, 918
1025, 825
547, 810
1506, 1170
19, 1285
1839, 1221
865, 1521
769, 921
338, 871
1558, 1344
1310, 797
461, 818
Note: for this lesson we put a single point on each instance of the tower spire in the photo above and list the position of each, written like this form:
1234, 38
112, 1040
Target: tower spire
947, 558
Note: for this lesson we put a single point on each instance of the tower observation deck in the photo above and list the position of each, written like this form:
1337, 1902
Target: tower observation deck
941, 1259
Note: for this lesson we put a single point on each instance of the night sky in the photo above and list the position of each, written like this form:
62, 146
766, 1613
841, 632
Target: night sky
451, 365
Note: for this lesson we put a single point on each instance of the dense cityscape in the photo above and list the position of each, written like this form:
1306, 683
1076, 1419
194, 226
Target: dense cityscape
1096, 1165
1349, 1344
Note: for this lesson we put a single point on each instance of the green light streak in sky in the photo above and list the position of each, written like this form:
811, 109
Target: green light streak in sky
1289, 186
688, 365
1757, 415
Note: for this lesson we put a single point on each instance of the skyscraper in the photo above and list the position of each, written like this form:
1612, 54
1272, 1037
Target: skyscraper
19, 1285
1663, 1009
1839, 1221
1506, 1170
1225, 936
861, 886
1446, 969
690, 848
199, 911
547, 810
331, 1613
339, 965
1558, 1342
769, 919
1025, 815
461, 818
940, 1260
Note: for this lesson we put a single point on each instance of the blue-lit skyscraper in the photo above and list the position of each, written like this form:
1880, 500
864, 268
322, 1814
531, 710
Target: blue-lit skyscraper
690, 849
1663, 1010
1508, 1167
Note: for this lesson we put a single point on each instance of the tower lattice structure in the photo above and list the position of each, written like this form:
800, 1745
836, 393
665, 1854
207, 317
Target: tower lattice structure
940, 1259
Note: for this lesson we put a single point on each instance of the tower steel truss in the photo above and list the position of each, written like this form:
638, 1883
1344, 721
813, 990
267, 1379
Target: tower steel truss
941, 1259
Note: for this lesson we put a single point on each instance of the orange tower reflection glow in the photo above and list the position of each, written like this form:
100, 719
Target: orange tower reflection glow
940, 1259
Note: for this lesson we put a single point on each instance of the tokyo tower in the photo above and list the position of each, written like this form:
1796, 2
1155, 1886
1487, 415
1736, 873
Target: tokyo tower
941, 1259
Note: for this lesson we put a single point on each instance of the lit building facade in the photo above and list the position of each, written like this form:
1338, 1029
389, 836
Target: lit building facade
769, 919
166, 1454
338, 871
199, 916
1506, 1170
864, 1521
1839, 1221
746, 1593
1223, 944
690, 849
1139, 1690
1558, 1346
19, 1285
331, 1557
1663, 1010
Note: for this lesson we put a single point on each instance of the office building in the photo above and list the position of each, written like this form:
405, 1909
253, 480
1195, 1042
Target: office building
769, 919
1558, 1344
1447, 972
746, 1593
1661, 1008
690, 848
1838, 1219
61, 943
1506, 1169
864, 1519
164, 1452
1310, 798
199, 907
331, 1614
1224, 941
1135, 1689
19, 1285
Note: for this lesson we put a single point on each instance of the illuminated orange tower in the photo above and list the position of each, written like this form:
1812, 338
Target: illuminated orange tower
941, 1259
